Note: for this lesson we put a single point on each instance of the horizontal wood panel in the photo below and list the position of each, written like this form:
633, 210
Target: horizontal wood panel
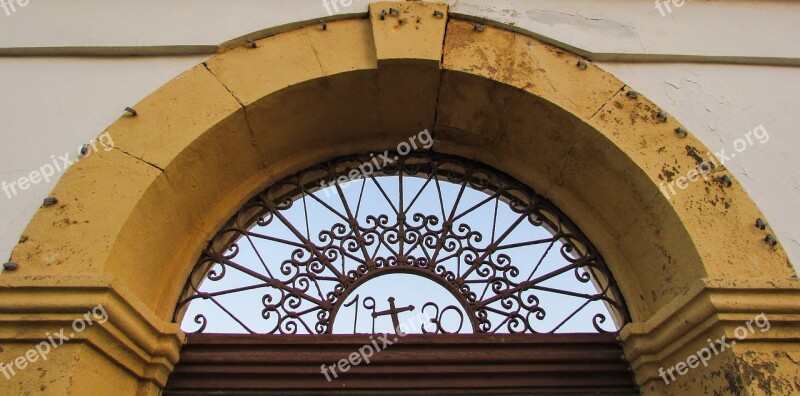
416, 364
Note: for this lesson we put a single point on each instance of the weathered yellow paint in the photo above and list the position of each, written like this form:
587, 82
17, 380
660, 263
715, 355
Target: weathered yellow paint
131, 221
415, 35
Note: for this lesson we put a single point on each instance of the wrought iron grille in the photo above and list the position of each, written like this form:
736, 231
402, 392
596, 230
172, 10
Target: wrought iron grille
301, 254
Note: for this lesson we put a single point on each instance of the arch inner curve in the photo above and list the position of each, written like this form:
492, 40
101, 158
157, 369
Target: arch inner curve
293, 258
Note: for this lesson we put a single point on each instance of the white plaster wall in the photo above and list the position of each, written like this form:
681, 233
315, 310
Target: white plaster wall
723, 103
699, 27
50, 106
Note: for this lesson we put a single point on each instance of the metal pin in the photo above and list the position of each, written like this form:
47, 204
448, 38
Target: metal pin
324, 24
383, 14
771, 240
10, 266
582, 65
761, 224
252, 43
661, 116
131, 111
438, 14
84, 150
682, 132
632, 94
394, 11
478, 27
50, 201
727, 180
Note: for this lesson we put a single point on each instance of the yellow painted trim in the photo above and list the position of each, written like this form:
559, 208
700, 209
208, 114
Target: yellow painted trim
131, 221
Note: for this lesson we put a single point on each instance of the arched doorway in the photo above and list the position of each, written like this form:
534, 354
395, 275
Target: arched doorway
477, 284
131, 221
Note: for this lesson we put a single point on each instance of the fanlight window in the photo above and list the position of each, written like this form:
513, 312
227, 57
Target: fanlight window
430, 244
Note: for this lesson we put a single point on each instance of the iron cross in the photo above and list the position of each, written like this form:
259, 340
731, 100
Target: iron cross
393, 311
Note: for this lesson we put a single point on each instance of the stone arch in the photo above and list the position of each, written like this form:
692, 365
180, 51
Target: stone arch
132, 220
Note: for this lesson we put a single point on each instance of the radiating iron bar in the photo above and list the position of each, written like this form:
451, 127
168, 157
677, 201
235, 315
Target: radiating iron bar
492, 248
325, 204
476, 206
401, 216
199, 295
494, 219
507, 317
258, 254
275, 283
552, 239
305, 211
304, 312
308, 244
214, 300
274, 239
389, 200
596, 296
498, 248
353, 223
448, 224
413, 201
441, 200
360, 196
541, 260
458, 253
528, 284
575, 312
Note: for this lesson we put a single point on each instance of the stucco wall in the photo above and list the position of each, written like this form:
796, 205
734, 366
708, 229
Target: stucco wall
51, 106
721, 104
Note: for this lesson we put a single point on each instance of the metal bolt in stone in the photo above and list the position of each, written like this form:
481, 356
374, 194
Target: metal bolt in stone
50, 201
727, 180
252, 43
394, 11
478, 27
131, 111
761, 224
771, 240
681, 132
582, 65
84, 151
662, 116
438, 14
383, 14
10, 266
632, 94
324, 24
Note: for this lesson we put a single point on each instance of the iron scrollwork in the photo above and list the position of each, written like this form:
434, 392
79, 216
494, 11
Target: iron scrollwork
498, 290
